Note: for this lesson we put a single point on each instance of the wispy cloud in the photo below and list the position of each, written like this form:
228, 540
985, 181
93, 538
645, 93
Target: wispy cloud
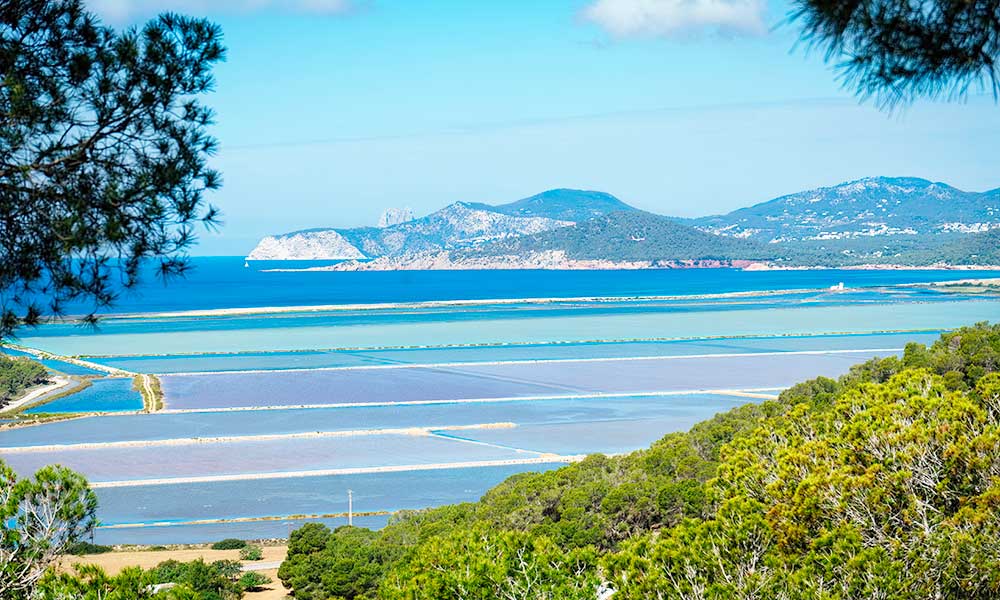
119, 11
674, 18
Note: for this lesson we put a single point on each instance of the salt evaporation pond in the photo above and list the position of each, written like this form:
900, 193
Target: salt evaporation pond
247, 457
514, 308
515, 380
373, 492
538, 328
581, 437
102, 395
354, 358
677, 410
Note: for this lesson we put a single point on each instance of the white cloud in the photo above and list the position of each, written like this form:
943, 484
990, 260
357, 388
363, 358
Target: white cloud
669, 18
119, 11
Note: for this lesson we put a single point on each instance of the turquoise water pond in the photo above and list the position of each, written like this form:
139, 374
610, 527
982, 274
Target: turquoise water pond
671, 412
103, 395
537, 328
276, 361
301, 495
507, 380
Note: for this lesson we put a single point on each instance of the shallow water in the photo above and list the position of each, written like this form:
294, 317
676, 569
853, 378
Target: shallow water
222, 282
582, 437
559, 351
274, 456
683, 408
302, 495
517, 380
102, 395
537, 328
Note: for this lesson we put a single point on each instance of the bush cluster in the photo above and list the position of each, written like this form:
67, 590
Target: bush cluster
229, 544
17, 375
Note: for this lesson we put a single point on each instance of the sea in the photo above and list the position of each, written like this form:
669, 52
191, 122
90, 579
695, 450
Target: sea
285, 386
232, 282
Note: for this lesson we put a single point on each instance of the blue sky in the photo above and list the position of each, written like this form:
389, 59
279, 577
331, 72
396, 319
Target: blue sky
329, 111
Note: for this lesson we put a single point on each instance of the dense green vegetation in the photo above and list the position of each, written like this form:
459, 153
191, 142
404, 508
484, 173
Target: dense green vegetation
170, 580
229, 544
251, 553
629, 235
17, 375
883, 483
949, 249
45, 517
40, 517
635, 235
104, 147
218, 580
82, 548
973, 249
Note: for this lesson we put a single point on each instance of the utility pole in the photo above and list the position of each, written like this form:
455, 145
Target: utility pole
350, 508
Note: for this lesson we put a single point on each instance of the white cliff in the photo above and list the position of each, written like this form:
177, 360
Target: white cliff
325, 244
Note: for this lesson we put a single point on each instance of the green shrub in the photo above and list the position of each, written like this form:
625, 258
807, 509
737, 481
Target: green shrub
252, 581
215, 581
251, 553
17, 374
229, 544
81, 548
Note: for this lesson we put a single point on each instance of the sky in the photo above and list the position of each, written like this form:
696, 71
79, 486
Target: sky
330, 111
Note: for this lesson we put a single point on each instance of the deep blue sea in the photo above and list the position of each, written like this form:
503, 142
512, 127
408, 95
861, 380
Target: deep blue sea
223, 282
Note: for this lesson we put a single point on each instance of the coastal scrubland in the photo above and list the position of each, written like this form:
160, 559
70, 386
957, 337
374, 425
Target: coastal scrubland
17, 375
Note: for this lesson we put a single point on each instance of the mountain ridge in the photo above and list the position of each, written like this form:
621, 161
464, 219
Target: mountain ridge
868, 207
868, 221
456, 225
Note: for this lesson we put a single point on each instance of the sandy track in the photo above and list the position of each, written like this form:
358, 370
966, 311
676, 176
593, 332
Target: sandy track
114, 562
58, 383
40, 354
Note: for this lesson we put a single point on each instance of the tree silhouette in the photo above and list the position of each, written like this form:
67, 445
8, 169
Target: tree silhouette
103, 149
895, 51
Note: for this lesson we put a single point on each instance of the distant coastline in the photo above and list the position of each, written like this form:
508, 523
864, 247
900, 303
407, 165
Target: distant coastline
850, 225
424, 304
431, 264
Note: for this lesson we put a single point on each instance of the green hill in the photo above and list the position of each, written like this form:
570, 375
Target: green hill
564, 205
882, 207
629, 236
974, 249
